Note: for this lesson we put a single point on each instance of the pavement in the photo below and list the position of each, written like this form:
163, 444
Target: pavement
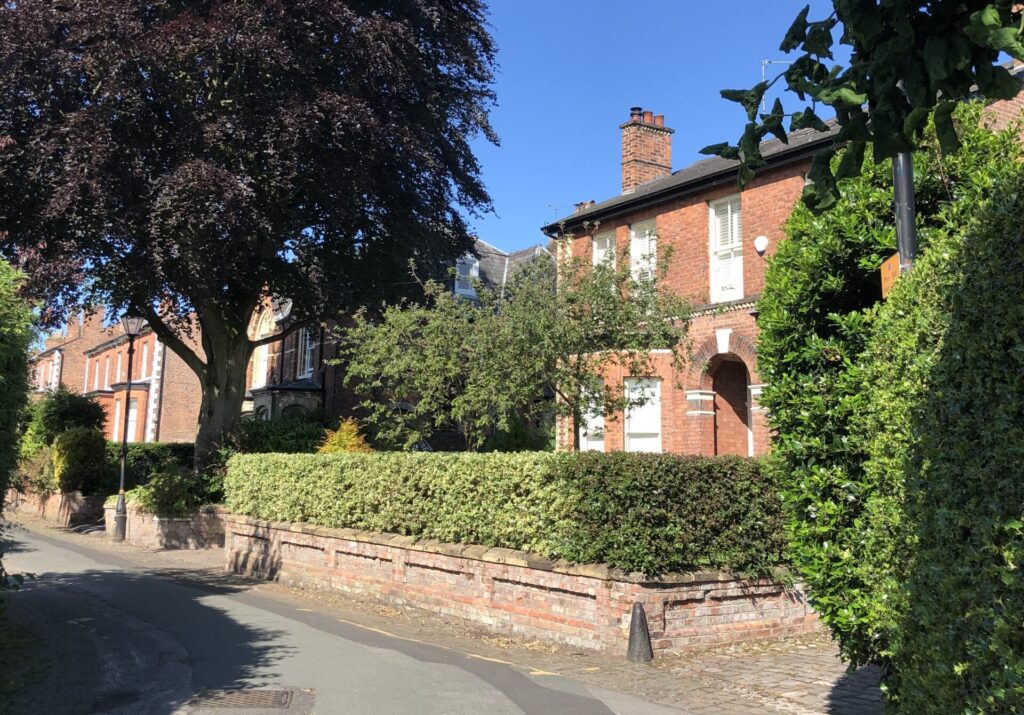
125, 630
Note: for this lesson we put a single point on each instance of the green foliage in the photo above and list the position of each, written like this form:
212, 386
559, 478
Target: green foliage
80, 460
292, 433
35, 474
910, 63
347, 438
15, 337
60, 411
142, 460
523, 435
479, 367
842, 420
650, 513
174, 492
959, 644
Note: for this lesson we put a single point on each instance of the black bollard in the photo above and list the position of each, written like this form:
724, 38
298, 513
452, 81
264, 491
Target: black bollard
639, 648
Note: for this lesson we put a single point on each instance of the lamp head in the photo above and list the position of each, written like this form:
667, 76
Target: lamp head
132, 325
761, 245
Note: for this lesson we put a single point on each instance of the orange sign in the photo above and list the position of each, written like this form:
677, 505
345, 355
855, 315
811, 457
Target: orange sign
890, 272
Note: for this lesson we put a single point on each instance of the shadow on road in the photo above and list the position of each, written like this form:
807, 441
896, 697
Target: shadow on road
122, 641
857, 693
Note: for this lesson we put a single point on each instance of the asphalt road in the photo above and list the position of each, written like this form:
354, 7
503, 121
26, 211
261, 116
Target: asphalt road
121, 639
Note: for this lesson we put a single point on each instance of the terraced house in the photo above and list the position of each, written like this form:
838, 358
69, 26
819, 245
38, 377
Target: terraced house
720, 239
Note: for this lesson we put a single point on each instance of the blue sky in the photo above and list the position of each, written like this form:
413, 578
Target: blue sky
571, 69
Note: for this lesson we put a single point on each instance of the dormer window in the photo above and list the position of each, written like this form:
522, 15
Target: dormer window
467, 269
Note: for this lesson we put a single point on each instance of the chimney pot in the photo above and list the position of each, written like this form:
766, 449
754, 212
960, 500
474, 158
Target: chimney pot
634, 113
646, 155
648, 117
659, 120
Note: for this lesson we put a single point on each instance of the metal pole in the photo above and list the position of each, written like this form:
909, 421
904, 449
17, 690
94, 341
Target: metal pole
121, 511
903, 185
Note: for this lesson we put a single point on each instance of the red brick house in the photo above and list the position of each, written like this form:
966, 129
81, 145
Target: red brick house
720, 238
92, 359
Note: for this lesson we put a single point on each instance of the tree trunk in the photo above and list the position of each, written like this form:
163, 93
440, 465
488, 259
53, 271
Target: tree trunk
577, 418
223, 385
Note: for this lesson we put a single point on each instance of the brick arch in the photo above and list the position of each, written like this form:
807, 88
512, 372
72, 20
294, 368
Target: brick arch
697, 374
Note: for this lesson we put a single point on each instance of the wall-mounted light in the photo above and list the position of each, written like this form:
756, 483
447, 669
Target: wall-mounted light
761, 245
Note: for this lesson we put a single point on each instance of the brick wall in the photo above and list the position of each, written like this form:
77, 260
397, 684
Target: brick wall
205, 530
70, 509
180, 400
646, 149
515, 592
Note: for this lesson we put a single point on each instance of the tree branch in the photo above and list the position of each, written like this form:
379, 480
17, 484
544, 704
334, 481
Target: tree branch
171, 340
279, 336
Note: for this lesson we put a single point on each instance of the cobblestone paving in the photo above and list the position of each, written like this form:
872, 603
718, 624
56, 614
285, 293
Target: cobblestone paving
800, 675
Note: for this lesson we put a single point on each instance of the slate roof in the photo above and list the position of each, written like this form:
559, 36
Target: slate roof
497, 266
698, 175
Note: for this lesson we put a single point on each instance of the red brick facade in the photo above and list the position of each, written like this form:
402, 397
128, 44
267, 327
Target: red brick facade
712, 407
92, 359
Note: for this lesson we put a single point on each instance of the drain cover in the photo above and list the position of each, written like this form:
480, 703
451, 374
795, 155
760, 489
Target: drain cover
255, 699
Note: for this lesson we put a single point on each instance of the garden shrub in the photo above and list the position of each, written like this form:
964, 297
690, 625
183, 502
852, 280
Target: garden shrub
57, 412
35, 474
347, 438
650, 513
173, 492
80, 460
841, 489
143, 459
293, 433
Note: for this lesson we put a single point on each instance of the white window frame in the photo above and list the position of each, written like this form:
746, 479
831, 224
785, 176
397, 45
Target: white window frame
731, 251
643, 251
306, 349
96, 375
117, 421
603, 249
641, 437
106, 373
143, 366
467, 269
117, 371
133, 418
259, 366
592, 429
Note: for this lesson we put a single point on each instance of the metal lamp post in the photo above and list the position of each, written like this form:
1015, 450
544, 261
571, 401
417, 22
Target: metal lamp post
132, 327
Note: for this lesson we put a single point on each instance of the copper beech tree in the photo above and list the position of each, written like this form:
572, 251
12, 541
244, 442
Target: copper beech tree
190, 160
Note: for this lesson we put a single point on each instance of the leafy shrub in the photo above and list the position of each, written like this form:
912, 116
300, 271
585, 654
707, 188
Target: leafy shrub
653, 513
143, 459
173, 492
60, 411
35, 473
15, 338
294, 433
347, 438
524, 436
80, 460
841, 481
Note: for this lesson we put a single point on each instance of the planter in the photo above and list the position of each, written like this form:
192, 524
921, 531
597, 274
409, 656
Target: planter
204, 530
514, 592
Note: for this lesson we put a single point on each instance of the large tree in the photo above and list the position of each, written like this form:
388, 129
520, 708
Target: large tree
191, 160
910, 61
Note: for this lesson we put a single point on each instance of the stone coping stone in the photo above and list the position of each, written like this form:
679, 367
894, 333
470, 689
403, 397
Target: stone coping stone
499, 555
210, 510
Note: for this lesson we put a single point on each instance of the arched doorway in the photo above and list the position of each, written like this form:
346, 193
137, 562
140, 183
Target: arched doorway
730, 382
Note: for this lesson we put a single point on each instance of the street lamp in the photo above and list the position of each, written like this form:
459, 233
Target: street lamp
132, 327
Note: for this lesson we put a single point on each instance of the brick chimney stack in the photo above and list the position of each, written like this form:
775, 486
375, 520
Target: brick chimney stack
646, 148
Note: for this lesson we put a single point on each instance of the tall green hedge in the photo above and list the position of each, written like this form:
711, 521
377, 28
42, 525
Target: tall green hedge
640, 512
958, 641
842, 435
143, 460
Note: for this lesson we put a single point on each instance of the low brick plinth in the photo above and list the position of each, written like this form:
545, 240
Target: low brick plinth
58, 508
204, 530
511, 591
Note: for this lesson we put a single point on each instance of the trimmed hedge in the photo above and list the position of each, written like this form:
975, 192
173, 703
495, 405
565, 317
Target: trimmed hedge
639, 512
79, 460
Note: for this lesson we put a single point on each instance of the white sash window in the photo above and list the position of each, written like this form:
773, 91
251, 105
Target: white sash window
467, 269
643, 251
604, 250
643, 423
726, 229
